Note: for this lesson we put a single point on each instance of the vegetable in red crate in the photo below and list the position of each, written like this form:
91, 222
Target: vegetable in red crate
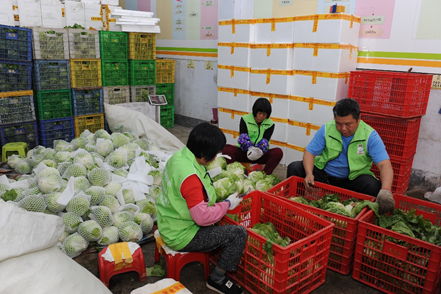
341, 154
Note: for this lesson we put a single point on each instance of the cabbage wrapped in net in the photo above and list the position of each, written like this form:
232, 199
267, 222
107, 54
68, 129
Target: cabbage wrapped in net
75, 244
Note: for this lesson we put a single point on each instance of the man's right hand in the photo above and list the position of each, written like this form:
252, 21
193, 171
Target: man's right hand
309, 182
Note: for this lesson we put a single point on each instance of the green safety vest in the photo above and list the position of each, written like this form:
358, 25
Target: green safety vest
359, 161
175, 223
254, 131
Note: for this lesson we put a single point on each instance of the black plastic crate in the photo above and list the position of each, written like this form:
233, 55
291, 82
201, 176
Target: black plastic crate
20, 132
16, 107
15, 43
56, 129
51, 75
87, 100
15, 76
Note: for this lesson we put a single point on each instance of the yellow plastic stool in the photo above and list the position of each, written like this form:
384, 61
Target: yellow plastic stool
8, 149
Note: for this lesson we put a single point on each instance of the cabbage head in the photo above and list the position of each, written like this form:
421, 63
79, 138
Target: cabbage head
237, 168
263, 185
75, 244
14, 159
130, 232
219, 161
121, 217
50, 183
104, 147
110, 235
119, 139
224, 188
112, 188
90, 230
256, 176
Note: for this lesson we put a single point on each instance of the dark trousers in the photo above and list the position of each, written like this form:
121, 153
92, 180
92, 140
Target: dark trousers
230, 238
271, 158
365, 184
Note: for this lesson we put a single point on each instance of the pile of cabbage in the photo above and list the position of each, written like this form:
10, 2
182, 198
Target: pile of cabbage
103, 186
231, 178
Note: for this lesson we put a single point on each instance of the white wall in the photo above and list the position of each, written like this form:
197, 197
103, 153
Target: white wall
195, 90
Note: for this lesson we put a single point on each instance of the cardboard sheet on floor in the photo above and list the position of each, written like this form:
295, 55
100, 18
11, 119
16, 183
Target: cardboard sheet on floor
163, 286
29, 260
123, 119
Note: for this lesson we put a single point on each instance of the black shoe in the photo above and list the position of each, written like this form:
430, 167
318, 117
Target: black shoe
226, 287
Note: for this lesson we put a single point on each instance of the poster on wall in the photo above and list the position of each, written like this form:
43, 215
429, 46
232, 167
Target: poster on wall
376, 18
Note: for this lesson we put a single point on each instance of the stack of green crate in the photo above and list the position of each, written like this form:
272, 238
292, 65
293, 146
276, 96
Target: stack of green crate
165, 85
52, 82
142, 54
86, 69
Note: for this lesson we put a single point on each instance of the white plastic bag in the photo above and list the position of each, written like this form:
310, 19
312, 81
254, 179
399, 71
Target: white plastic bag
161, 285
434, 196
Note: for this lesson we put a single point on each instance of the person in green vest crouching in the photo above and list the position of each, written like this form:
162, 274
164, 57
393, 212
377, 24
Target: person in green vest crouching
341, 154
255, 130
187, 207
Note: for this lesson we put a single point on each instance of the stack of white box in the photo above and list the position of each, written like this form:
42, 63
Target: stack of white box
58, 14
136, 21
301, 64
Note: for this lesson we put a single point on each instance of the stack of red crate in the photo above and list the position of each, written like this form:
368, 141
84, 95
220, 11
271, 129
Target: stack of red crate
393, 104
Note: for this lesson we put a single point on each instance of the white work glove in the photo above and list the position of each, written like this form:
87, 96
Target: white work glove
386, 201
234, 200
254, 153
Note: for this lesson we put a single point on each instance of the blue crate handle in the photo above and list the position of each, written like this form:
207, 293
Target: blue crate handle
20, 131
58, 127
12, 36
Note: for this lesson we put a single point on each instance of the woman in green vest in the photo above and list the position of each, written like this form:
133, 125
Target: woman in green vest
255, 130
187, 207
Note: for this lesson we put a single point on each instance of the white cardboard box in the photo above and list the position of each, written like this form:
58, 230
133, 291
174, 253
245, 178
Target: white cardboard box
310, 110
233, 77
110, 2
279, 103
274, 56
239, 30
292, 154
274, 30
51, 14
6, 13
91, 1
274, 144
325, 57
320, 85
271, 81
234, 99
30, 13
280, 129
230, 135
236, 54
327, 28
300, 134
75, 13
229, 120
93, 17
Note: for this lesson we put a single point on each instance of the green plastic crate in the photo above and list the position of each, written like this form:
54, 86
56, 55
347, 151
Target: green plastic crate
167, 116
142, 72
115, 72
168, 90
53, 104
113, 45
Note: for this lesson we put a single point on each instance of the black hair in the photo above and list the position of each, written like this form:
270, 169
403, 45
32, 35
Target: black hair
262, 105
345, 107
206, 141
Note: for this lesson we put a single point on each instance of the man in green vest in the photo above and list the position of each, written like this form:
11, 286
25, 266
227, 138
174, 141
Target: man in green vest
341, 154
187, 207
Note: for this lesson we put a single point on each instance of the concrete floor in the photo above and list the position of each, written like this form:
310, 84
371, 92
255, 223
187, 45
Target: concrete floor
192, 275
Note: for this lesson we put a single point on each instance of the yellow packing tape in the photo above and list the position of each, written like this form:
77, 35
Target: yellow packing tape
234, 133
232, 90
117, 249
270, 96
232, 112
317, 46
233, 45
320, 74
307, 126
295, 147
233, 22
312, 101
234, 68
268, 47
273, 21
16, 93
175, 288
270, 72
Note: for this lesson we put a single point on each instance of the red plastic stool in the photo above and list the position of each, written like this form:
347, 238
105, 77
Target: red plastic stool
109, 269
176, 263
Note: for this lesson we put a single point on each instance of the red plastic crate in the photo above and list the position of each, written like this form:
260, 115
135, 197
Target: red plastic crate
344, 233
402, 171
413, 266
400, 135
391, 93
297, 268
